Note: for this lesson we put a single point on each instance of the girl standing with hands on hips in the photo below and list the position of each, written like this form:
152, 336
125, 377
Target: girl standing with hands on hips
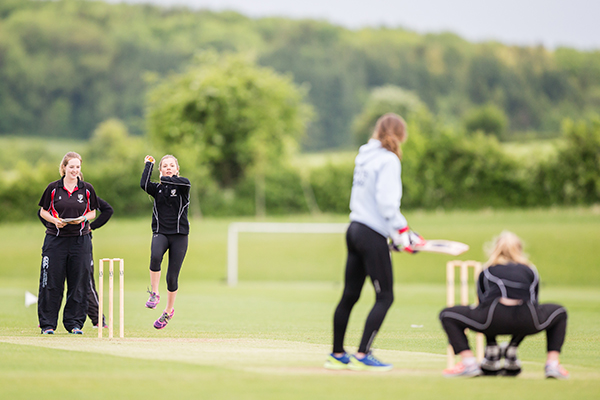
170, 229
375, 216
67, 205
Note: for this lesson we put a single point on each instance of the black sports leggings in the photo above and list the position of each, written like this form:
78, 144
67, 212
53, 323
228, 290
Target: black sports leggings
368, 255
177, 246
496, 319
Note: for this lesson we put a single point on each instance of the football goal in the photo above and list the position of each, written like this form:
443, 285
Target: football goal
236, 228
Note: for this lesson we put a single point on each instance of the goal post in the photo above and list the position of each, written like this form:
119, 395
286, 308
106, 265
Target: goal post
235, 228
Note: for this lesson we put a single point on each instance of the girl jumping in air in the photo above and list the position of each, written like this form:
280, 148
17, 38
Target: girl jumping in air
170, 229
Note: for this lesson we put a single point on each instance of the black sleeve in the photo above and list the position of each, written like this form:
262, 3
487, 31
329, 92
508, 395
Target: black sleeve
480, 287
537, 285
150, 187
46, 223
93, 199
183, 183
106, 211
46, 200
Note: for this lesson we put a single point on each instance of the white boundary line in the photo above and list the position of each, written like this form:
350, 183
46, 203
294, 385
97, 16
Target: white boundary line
269, 227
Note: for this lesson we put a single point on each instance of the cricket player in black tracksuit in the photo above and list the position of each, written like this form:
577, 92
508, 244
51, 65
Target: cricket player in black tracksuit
170, 229
67, 247
106, 211
508, 305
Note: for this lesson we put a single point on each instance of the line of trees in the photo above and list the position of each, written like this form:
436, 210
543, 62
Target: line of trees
448, 170
66, 66
442, 168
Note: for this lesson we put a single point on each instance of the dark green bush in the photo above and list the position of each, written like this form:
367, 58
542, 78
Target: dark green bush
331, 185
442, 170
456, 171
573, 177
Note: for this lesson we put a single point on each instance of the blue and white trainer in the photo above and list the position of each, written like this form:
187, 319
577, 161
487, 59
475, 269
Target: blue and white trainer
368, 363
334, 362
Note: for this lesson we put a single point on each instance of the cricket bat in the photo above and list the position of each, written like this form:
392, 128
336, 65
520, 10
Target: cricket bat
442, 246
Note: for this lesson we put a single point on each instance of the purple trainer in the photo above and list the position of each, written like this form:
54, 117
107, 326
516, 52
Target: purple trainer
153, 300
163, 320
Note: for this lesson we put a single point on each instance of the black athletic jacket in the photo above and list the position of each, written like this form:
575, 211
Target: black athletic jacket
513, 281
171, 202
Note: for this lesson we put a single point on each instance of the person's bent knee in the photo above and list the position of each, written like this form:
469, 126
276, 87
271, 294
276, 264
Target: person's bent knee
386, 298
154, 267
350, 298
442, 314
155, 263
172, 285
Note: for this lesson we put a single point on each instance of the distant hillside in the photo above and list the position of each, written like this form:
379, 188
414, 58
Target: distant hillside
66, 66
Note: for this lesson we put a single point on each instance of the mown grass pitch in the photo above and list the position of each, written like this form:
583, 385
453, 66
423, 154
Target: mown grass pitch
268, 337
268, 340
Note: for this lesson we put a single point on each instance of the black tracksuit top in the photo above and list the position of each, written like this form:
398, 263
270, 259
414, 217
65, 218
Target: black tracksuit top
171, 202
106, 211
62, 204
512, 280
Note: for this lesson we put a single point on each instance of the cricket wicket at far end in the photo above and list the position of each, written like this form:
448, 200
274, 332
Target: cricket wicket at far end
111, 262
464, 298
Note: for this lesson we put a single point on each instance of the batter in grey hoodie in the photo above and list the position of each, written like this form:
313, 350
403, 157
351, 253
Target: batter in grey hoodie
377, 189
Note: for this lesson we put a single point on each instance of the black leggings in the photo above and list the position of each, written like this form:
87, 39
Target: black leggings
368, 255
92, 310
177, 246
497, 319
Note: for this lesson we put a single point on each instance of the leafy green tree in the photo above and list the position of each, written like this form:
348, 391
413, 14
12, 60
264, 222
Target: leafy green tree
228, 118
322, 58
488, 119
389, 99
68, 65
113, 163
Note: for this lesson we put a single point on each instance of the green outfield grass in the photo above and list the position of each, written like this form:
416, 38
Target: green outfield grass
265, 340
561, 242
268, 337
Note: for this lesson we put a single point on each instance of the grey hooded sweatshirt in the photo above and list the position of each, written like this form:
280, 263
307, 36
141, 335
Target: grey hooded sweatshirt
377, 189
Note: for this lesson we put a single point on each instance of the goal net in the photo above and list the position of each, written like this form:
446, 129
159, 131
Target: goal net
236, 228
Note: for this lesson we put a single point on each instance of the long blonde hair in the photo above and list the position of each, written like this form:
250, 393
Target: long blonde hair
507, 248
65, 161
390, 130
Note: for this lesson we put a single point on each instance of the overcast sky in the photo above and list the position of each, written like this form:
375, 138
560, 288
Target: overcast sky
553, 23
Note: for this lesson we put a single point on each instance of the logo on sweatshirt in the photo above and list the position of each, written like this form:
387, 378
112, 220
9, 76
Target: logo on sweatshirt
360, 176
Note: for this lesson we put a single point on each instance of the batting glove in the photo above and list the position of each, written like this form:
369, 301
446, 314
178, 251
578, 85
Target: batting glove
415, 239
401, 240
